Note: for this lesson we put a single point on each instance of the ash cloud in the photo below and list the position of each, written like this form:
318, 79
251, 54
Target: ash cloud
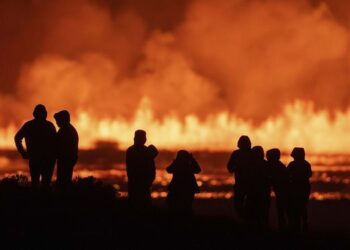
199, 56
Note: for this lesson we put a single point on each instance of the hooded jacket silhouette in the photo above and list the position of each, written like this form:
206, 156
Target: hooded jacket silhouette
67, 141
299, 171
258, 192
183, 185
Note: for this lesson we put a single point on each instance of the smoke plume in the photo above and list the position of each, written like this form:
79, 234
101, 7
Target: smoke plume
250, 58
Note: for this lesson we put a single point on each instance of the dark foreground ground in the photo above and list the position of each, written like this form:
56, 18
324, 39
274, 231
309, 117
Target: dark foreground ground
89, 216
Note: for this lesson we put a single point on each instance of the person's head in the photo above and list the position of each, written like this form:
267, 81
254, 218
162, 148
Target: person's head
258, 152
273, 154
244, 143
62, 118
140, 137
40, 112
182, 155
298, 154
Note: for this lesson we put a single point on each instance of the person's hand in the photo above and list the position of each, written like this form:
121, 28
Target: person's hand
25, 155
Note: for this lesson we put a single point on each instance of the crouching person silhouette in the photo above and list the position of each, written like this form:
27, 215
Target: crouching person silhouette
39, 136
183, 186
141, 171
299, 171
67, 140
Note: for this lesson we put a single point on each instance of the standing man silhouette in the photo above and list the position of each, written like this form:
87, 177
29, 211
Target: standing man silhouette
67, 148
240, 164
39, 136
300, 172
141, 171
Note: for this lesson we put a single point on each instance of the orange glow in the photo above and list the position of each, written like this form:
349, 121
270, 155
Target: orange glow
274, 70
298, 125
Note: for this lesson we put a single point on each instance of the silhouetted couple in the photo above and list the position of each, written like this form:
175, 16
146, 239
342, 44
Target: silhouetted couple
141, 171
254, 177
43, 146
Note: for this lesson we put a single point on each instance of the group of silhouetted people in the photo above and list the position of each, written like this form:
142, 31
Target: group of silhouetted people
44, 146
255, 177
141, 172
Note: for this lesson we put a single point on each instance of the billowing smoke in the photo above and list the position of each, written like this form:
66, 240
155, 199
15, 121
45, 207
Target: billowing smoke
250, 58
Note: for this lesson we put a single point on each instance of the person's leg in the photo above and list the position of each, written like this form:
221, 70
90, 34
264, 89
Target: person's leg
266, 209
64, 172
281, 211
59, 172
34, 169
47, 172
238, 200
304, 216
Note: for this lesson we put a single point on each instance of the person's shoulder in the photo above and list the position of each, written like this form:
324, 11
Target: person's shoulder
49, 124
281, 165
236, 152
29, 123
131, 148
291, 164
73, 129
26, 126
307, 164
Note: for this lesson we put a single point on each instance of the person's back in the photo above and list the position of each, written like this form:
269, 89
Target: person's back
183, 185
280, 184
278, 172
67, 143
240, 164
259, 175
39, 135
184, 168
66, 147
299, 171
39, 138
140, 164
140, 167
258, 192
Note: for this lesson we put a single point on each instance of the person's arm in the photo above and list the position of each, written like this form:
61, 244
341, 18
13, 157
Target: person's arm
153, 151
171, 167
18, 141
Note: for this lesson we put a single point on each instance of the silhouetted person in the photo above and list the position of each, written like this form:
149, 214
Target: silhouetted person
240, 163
141, 171
66, 148
280, 185
39, 136
299, 172
258, 191
183, 186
